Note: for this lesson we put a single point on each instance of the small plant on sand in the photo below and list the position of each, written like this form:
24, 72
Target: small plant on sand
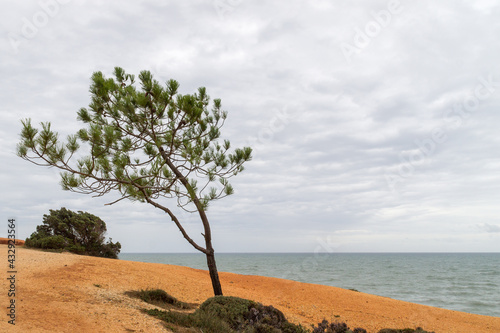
326, 327
232, 314
160, 298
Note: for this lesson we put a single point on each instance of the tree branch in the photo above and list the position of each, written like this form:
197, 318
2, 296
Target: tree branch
176, 221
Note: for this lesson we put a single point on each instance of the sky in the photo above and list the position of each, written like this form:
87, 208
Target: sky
374, 124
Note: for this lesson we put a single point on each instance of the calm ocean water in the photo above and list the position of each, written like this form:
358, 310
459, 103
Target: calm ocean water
468, 282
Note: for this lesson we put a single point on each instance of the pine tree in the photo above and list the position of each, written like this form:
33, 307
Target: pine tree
148, 144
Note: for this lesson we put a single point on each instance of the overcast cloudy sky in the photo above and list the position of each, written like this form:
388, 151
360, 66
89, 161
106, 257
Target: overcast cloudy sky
374, 124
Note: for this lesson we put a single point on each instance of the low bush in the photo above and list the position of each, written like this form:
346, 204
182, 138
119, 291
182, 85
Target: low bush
232, 314
50, 242
326, 327
160, 298
237, 315
248, 316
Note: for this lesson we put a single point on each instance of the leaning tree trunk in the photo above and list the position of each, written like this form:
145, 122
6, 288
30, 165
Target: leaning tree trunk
210, 253
208, 250
214, 275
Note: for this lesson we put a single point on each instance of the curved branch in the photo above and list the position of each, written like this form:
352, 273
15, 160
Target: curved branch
196, 201
177, 223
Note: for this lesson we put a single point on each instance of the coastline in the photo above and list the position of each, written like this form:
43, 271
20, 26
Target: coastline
466, 282
65, 292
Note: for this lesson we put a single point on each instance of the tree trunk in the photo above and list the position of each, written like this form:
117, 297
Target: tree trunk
209, 251
214, 275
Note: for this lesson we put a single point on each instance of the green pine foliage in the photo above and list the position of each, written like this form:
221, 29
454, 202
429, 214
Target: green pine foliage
81, 233
136, 138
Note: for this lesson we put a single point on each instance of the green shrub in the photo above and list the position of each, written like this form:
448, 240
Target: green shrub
232, 310
237, 315
76, 248
232, 314
207, 323
326, 327
51, 242
247, 316
81, 233
159, 297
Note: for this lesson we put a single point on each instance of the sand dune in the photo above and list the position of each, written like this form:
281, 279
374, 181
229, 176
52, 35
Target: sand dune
71, 293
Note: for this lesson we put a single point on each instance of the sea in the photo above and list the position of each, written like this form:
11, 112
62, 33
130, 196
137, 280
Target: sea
467, 282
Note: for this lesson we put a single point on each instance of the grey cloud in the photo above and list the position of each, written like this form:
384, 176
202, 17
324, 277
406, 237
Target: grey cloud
490, 228
321, 171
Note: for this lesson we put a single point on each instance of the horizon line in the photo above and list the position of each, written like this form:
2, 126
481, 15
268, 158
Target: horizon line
313, 253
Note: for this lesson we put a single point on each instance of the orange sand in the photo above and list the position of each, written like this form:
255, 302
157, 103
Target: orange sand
71, 293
